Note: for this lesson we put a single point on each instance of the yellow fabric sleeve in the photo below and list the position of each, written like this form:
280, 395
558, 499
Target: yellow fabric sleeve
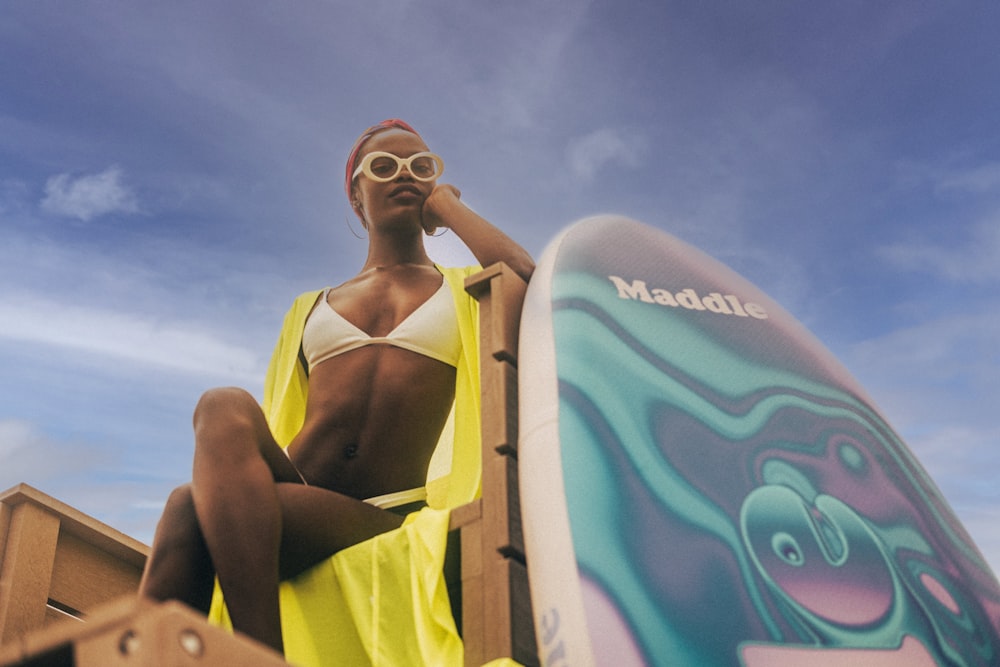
383, 601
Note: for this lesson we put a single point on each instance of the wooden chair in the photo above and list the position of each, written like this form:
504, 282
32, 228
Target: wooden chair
495, 607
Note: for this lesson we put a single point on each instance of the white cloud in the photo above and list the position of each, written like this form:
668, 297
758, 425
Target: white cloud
943, 367
978, 180
938, 384
589, 154
29, 455
961, 462
177, 346
16, 435
90, 196
951, 178
976, 261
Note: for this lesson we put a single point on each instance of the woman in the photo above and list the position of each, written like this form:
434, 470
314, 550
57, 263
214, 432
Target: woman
380, 354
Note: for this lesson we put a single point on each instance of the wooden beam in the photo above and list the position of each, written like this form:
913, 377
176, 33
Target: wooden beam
496, 605
26, 571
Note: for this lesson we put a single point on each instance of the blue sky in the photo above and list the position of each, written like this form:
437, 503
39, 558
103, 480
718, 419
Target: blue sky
170, 176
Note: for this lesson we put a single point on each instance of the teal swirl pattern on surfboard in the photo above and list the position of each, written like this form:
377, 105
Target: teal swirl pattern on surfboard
733, 496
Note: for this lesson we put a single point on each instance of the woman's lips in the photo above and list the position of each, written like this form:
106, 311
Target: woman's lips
405, 190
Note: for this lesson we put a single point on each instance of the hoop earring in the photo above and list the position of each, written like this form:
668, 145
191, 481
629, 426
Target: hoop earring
444, 230
347, 219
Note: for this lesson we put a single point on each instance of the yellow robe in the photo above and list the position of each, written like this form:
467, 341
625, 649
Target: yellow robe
384, 601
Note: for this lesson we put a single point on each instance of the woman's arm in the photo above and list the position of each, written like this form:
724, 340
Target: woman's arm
488, 244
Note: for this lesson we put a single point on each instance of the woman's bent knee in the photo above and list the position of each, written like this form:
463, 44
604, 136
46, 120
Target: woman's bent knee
179, 508
230, 429
180, 498
229, 409
179, 523
223, 402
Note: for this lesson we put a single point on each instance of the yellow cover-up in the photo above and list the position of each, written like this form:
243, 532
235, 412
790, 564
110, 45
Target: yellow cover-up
383, 601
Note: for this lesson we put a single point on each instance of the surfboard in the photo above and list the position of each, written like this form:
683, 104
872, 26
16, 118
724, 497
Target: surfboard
703, 483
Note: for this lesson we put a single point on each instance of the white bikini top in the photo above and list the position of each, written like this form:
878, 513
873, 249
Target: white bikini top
430, 330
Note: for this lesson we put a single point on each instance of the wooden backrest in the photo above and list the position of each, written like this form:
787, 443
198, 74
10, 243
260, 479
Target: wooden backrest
496, 615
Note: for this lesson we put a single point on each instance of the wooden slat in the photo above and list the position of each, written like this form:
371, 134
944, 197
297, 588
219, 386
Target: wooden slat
523, 645
5, 512
509, 624
77, 523
500, 292
501, 508
55, 615
496, 608
130, 632
473, 594
26, 570
499, 382
85, 576
500, 320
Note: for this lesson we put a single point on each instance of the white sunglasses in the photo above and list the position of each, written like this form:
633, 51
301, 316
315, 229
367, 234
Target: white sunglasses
383, 167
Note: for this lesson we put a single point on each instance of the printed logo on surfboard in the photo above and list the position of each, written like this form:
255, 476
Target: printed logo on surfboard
715, 302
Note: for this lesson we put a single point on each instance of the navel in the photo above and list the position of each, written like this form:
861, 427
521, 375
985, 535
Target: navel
351, 451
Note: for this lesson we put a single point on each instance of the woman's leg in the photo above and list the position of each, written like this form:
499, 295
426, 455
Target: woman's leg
179, 567
236, 465
248, 519
317, 523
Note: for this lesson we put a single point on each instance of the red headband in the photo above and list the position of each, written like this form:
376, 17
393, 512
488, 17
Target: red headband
352, 159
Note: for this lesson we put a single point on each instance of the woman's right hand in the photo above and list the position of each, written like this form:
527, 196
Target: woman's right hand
436, 207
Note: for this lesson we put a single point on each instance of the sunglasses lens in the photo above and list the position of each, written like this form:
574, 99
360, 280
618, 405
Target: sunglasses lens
384, 167
423, 167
